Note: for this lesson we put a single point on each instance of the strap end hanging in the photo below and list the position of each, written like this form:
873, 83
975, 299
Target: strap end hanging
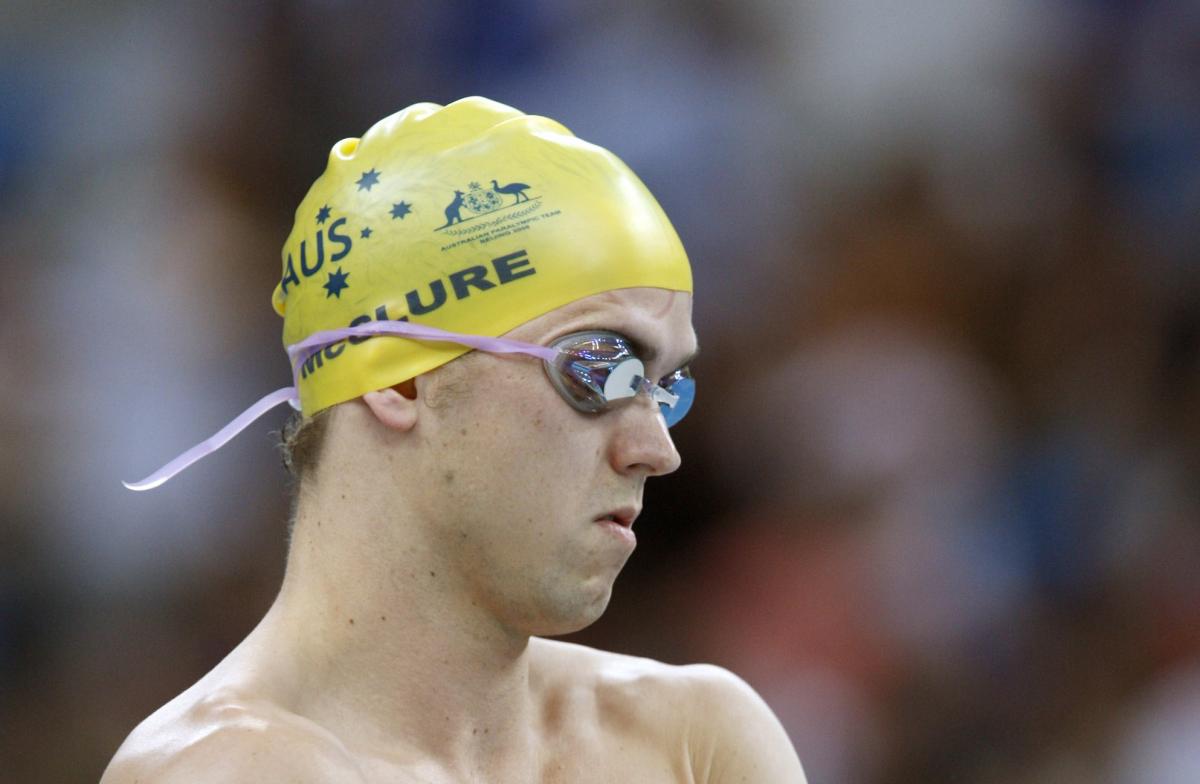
216, 441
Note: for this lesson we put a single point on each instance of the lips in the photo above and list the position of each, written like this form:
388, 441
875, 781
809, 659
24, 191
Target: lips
623, 517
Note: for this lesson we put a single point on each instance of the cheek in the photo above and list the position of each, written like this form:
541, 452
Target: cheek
517, 452
532, 422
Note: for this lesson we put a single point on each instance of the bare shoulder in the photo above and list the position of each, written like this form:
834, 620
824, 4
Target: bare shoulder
228, 736
734, 734
728, 732
616, 681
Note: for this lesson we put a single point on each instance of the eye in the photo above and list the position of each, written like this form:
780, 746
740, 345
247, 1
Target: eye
592, 356
582, 373
595, 346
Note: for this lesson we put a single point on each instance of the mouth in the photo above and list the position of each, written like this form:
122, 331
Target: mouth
623, 517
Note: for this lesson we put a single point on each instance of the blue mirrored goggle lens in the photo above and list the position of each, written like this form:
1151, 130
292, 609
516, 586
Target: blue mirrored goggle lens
684, 388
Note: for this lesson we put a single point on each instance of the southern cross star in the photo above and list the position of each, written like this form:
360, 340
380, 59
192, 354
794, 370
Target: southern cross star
368, 179
335, 284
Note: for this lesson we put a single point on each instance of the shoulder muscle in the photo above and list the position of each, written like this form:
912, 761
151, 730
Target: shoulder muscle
733, 735
240, 746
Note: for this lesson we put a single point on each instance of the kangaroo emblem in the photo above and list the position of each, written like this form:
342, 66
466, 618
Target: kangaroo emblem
513, 188
452, 209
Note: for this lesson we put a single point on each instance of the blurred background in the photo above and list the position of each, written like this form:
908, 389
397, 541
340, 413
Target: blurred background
939, 501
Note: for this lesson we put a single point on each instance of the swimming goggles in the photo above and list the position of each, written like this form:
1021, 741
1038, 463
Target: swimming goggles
591, 371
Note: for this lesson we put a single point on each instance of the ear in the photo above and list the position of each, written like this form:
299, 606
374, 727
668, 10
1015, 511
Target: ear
393, 409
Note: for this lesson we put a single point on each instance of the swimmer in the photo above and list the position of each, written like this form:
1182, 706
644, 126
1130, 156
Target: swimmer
481, 402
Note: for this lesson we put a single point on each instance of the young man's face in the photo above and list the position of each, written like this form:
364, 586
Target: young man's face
515, 479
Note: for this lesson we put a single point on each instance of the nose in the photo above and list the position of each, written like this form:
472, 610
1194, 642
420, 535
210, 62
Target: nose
641, 442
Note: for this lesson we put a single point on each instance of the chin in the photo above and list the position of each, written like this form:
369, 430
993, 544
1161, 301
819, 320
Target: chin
567, 617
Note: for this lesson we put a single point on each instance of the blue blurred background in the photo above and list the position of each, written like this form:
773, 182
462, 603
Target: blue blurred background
939, 501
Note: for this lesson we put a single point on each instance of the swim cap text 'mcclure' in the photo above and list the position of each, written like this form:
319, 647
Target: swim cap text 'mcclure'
508, 268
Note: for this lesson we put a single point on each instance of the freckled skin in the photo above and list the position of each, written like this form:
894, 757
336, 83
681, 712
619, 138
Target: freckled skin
486, 481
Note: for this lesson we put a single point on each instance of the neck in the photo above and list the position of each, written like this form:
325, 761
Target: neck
384, 643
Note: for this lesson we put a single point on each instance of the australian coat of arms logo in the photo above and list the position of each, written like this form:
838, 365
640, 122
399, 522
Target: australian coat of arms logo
478, 201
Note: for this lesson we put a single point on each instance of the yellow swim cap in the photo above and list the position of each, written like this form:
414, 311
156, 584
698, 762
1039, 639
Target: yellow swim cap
472, 218
466, 220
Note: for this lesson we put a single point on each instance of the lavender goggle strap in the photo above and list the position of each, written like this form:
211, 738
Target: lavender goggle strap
298, 353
